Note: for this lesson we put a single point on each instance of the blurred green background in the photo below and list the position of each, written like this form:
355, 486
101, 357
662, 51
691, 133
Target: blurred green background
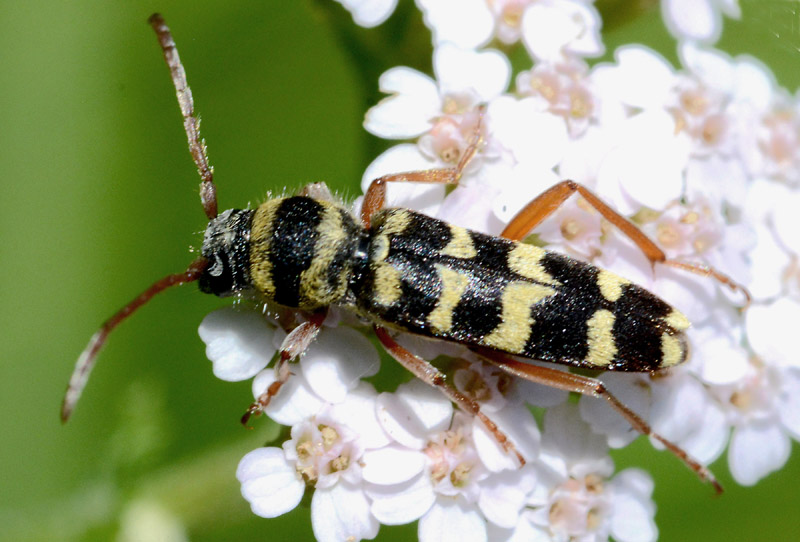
100, 199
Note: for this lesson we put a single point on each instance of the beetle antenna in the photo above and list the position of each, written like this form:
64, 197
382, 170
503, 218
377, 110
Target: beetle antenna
197, 146
88, 357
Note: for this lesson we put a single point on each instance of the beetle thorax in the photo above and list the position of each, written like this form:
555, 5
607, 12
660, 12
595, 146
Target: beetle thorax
303, 252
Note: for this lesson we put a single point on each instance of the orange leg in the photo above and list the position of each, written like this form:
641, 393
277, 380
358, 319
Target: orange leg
295, 343
375, 198
594, 388
429, 374
551, 199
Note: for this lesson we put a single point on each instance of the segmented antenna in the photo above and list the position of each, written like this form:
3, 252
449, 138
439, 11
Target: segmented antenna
208, 198
208, 192
88, 357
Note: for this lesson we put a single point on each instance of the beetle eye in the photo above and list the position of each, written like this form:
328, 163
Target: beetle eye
218, 267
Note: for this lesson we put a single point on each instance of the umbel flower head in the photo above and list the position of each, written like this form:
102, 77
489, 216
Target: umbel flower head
702, 157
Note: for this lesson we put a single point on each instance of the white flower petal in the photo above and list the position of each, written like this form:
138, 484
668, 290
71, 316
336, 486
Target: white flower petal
710, 438
582, 157
692, 19
412, 412
768, 262
649, 161
713, 67
550, 28
238, 342
694, 298
535, 138
634, 481
589, 42
342, 513
761, 197
632, 517
269, 483
545, 31
522, 184
730, 8
766, 331
605, 420
294, 403
569, 439
723, 361
392, 464
524, 531
756, 450
789, 405
335, 363
467, 23
402, 503
755, 82
503, 495
470, 206
718, 179
641, 78
407, 113
358, 411
519, 425
675, 404
369, 13
452, 521
787, 221
486, 73
631, 523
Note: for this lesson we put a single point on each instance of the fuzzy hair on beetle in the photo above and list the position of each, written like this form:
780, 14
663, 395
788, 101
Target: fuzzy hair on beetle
402, 271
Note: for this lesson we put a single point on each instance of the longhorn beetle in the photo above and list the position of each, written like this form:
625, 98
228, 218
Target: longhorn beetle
403, 271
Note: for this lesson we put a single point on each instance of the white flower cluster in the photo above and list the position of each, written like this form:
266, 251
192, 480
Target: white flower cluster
704, 158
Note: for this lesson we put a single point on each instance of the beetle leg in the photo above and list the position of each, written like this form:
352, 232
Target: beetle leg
551, 199
592, 387
429, 374
294, 344
708, 271
375, 197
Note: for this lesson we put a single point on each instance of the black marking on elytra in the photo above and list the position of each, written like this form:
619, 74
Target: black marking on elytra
479, 311
559, 332
424, 237
560, 329
410, 253
638, 345
492, 254
413, 252
638, 328
421, 288
635, 300
294, 237
576, 277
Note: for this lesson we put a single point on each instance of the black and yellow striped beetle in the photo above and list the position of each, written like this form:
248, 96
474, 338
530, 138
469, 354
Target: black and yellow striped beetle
403, 271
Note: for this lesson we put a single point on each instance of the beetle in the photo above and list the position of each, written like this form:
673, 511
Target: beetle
401, 270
